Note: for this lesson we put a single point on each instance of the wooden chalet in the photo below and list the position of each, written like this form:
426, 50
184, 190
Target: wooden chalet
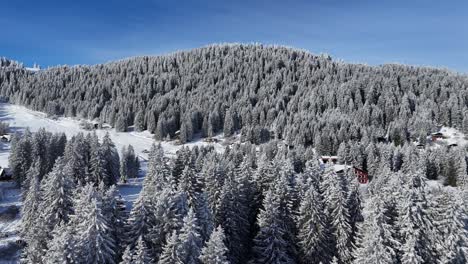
437, 135
362, 176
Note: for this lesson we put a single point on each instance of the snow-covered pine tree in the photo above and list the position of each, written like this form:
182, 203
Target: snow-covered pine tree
34, 231
215, 250
31, 204
140, 121
213, 175
127, 257
57, 195
229, 124
97, 172
313, 231
204, 216
129, 164
115, 209
337, 209
141, 254
141, 219
415, 222
121, 124
377, 237
95, 242
159, 174
170, 251
20, 158
190, 241
168, 210
271, 243
266, 173
451, 235
112, 159
77, 157
62, 248
191, 183
354, 207
233, 215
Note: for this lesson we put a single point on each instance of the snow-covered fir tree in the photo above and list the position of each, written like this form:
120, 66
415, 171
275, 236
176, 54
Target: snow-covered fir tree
271, 243
313, 229
215, 250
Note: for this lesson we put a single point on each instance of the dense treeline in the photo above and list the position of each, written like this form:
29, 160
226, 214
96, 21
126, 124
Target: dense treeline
263, 92
245, 205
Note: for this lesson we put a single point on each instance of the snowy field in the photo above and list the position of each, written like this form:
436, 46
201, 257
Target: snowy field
453, 136
20, 117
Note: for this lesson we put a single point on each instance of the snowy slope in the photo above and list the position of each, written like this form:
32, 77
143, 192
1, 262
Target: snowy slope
20, 118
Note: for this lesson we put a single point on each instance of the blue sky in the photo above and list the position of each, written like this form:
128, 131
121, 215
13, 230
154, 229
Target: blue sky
429, 33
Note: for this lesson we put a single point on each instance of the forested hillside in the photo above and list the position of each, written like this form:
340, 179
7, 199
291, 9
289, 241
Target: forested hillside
264, 92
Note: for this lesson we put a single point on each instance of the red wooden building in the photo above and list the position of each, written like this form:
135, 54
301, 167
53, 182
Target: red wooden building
437, 135
362, 176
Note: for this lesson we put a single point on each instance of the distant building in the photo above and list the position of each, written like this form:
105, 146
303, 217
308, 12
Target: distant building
420, 145
5, 138
5, 174
437, 135
361, 175
382, 139
329, 159
340, 169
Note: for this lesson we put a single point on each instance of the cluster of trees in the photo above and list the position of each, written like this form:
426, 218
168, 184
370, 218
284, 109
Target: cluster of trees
88, 159
263, 92
446, 164
129, 164
270, 204
4, 62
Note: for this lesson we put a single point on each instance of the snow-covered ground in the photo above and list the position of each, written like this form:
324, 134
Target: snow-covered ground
453, 136
9, 222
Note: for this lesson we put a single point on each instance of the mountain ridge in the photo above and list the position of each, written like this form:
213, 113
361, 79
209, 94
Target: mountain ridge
290, 48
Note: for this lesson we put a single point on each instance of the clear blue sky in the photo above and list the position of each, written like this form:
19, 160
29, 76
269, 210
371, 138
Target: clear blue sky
430, 33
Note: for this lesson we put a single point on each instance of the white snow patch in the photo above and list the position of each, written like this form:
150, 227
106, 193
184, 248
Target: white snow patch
452, 136
10, 220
